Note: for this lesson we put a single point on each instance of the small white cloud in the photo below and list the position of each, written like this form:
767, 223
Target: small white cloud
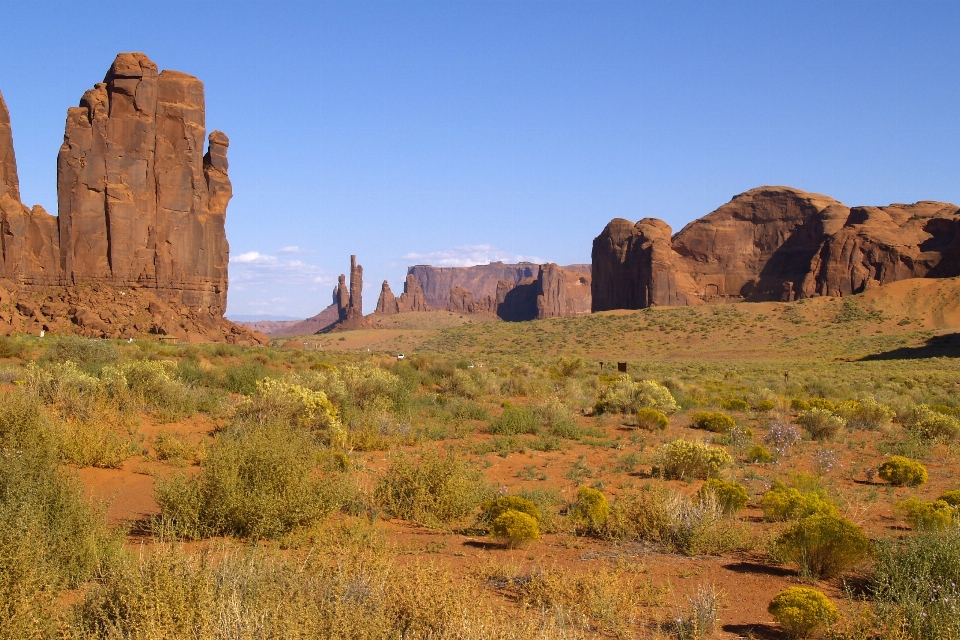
295, 250
251, 257
468, 256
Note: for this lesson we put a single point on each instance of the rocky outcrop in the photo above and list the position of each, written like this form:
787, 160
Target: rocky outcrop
387, 302
562, 292
480, 280
286, 328
517, 302
412, 298
462, 301
772, 243
141, 214
350, 301
140, 204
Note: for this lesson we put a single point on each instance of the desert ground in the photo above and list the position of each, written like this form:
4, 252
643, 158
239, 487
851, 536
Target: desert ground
501, 480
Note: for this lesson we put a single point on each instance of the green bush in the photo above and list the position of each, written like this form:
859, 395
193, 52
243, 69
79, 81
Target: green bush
256, 482
820, 423
930, 425
928, 515
652, 419
822, 545
764, 404
805, 498
432, 490
915, 584
903, 472
682, 459
730, 496
82, 351
515, 420
590, 510
734, 404
712, 421
515, 527
866, 414
801, 610
627, 396
799, 404
759, 453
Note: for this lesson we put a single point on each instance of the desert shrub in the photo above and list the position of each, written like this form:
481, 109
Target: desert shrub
903, 472
820, 423
805, 498
698, 620
547, 502
51, 538
466, 410
515, 527
734, 404
11, 347
758, 453
471, 385
764, 404
515, 420
801, 610
712, 421
432, 490
170, 447
652, 419
555, 415
276, 400
730, 496
97, 444
257, 481
675, 522
493, 509
242, 378
782, 437
823, 545
627, 396
866, 414
951, 497
799, 404
682, 459
82, 351
916, 584
823, 404
931, 426
928, 515
590, 510
566, 367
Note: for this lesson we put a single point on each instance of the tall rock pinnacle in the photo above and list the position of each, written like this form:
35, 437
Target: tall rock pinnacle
139, 202
9, 183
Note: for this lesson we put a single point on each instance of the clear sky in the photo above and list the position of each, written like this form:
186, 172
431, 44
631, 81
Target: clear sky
461, 132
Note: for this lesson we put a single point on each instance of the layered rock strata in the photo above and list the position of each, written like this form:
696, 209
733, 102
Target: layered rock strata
772, 243
141, 211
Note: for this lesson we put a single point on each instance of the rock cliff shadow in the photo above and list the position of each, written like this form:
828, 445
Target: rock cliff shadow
945, 346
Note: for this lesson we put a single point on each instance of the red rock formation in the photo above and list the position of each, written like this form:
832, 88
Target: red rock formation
141, 221
412, 298
140, 204
772, 243
350, 301
480, 280
387, 302
286, 328
562, 292
460, 300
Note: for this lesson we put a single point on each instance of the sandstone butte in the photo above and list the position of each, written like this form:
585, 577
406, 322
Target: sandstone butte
773, 243
139, 243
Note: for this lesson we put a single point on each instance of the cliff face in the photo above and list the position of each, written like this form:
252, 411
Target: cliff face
480, 280
772, 243
141, 207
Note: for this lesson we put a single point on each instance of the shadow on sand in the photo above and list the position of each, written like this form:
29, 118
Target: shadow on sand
945, 346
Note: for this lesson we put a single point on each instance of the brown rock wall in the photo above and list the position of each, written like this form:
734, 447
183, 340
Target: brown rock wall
773, 243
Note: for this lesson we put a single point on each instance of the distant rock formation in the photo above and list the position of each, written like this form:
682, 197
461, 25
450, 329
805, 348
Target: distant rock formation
462, 301
480, 280
412, 298
561, 292
387, 302
287, 328
772, 243
350, 301
141, 214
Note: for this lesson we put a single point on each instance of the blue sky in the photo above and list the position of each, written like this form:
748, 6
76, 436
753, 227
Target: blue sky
462, 132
